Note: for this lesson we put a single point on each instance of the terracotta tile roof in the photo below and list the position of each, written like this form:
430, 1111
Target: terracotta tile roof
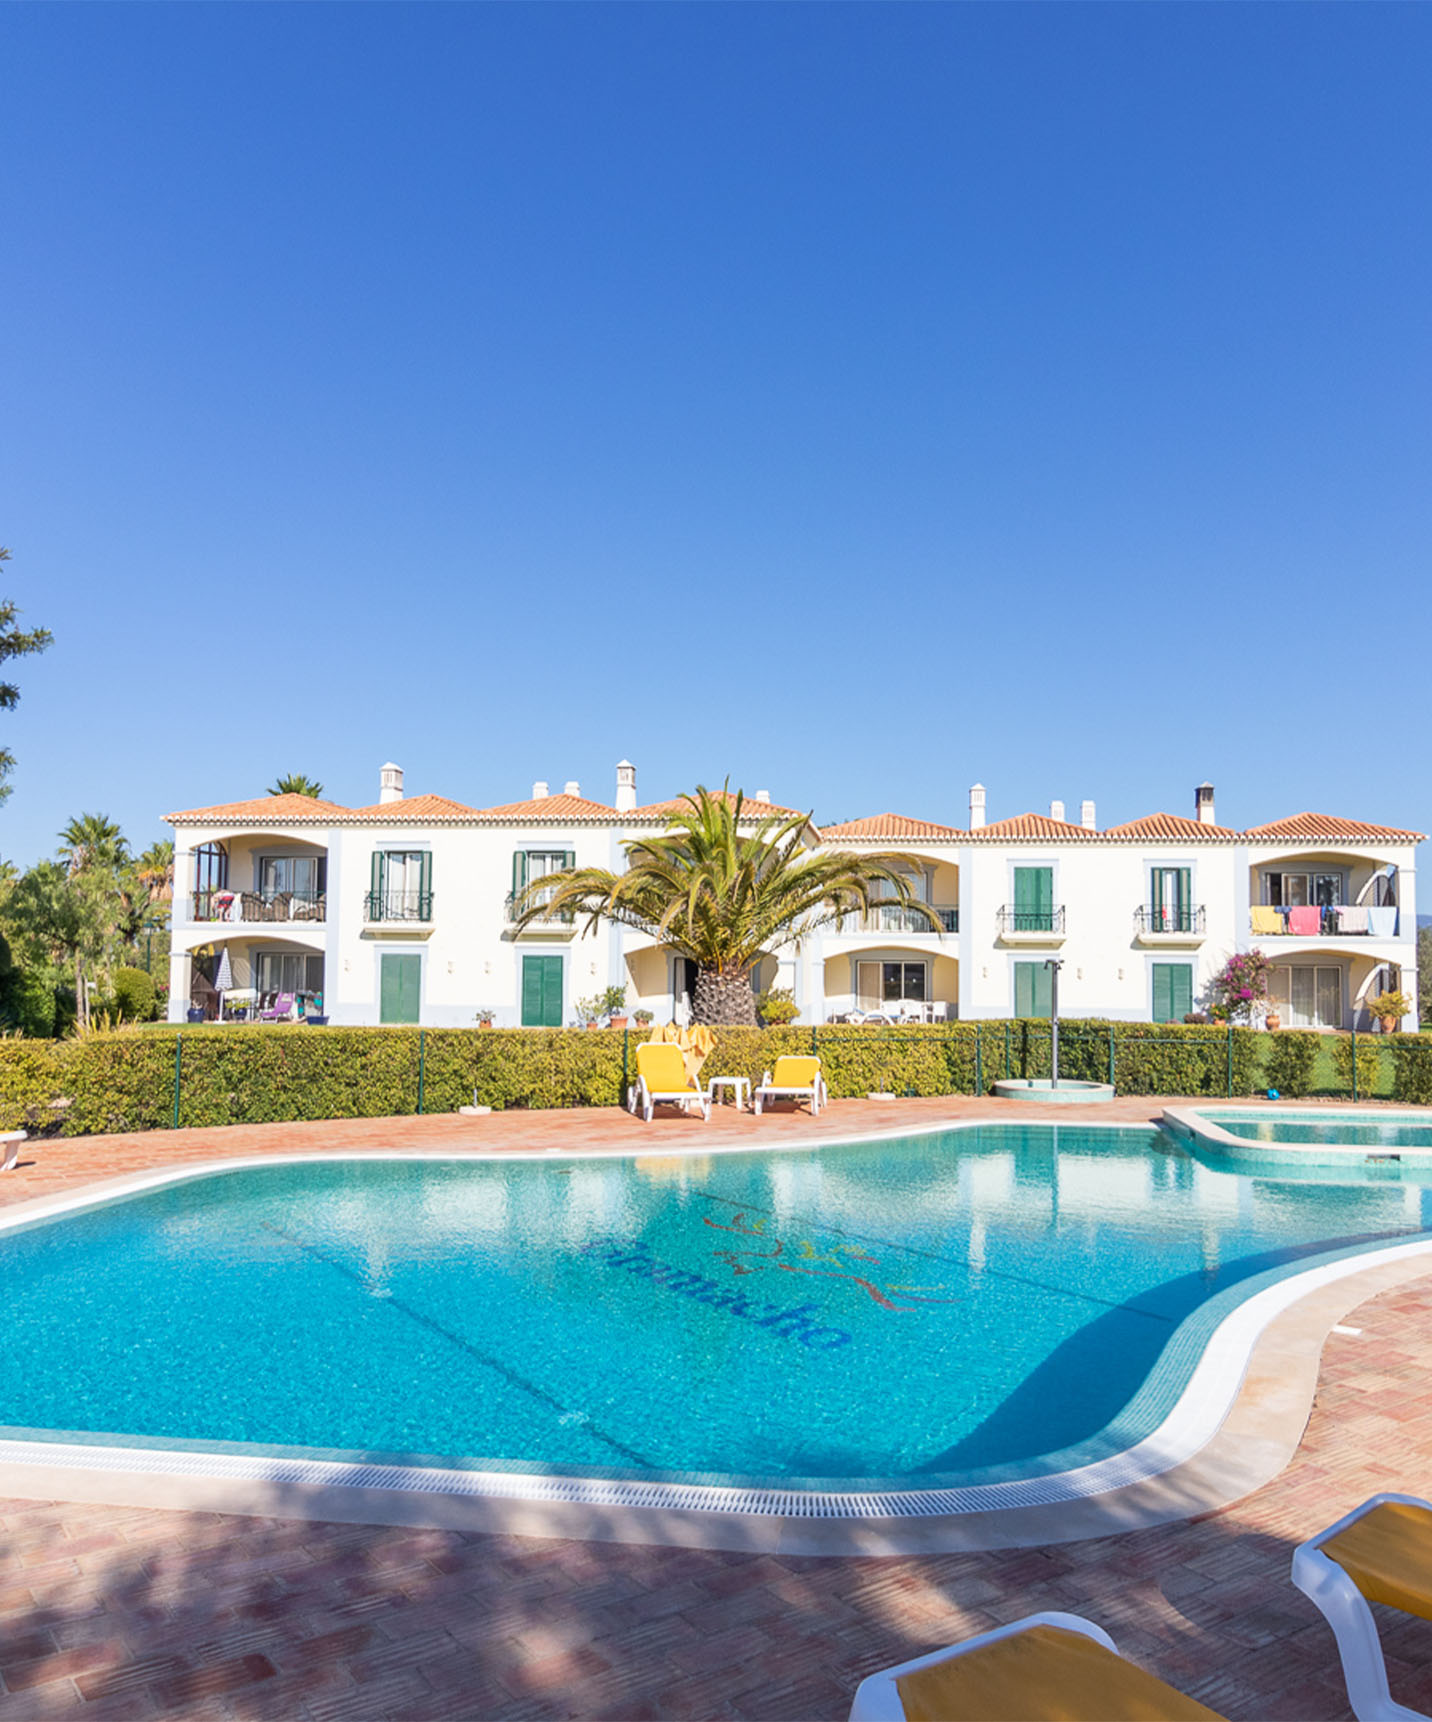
551, 807
277, 809
421, 807
1032, 825
890, 825
750, 807
1172, 825
1321, 827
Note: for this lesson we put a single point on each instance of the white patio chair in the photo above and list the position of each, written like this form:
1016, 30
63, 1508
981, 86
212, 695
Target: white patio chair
661, 1078
1379, 1552
793, 1079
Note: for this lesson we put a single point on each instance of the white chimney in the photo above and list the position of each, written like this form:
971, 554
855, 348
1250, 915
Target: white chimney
1056, 810
977, 807
1086, 816
763, 795
571, 787
390, 783
540, 791
1203, 804
626, 786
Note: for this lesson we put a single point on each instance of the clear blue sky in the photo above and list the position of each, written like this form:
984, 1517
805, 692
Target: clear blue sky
857, 401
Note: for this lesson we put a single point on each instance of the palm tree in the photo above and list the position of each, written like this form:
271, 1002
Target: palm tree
297, 784
155, 869
724, 897
92, 841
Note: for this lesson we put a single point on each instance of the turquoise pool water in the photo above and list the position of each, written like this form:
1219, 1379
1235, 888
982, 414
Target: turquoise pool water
956, 1306
1330, 1129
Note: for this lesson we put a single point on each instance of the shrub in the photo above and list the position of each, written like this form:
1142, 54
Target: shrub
134, 995
1412, 1068
1289, 1060
27, 1003
777, 1007
1369, 1059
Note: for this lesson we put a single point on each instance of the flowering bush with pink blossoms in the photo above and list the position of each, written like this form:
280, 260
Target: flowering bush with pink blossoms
1241, 986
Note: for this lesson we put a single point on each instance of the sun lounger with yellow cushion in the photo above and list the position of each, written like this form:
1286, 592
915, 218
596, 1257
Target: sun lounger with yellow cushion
1380, 1552
1045, 1668
661, 1078
794, 1079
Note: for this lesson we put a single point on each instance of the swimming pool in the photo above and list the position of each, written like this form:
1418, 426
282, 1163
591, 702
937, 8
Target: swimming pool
1337, 1129
945, 1311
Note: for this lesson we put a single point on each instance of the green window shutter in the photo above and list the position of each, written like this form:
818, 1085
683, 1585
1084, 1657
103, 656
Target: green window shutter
425, 885
375, 886
519, 872
1034, 898
1181, 991
531, 992
569, 859
1033, 990
1156, 894
1163, 992
1185, 900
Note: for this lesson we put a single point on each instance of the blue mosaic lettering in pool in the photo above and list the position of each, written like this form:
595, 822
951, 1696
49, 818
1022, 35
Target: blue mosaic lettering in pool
967, 1305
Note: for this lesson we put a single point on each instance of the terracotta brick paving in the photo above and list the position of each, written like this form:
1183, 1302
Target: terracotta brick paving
117, 1612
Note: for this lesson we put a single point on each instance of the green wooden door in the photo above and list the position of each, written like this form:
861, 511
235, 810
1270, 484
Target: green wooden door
1033, 899
400, 986
541, 992
1173, 991
1033, 990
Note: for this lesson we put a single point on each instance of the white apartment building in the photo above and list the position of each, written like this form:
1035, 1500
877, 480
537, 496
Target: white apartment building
400, 912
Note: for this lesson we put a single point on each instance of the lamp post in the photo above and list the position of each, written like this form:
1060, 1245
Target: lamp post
1054, 964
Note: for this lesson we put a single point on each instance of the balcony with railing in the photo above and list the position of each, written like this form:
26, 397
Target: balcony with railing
398, 908
1323, 921
555, 923
1024, 926
893, 918
216, 904
1170, 923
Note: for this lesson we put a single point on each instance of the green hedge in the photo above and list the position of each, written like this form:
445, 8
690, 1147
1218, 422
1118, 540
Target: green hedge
261, 1074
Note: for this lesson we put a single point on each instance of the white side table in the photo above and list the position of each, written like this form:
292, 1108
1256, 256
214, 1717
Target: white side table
740, 1087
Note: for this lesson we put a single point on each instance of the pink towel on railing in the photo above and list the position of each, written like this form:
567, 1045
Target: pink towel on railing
1305, 921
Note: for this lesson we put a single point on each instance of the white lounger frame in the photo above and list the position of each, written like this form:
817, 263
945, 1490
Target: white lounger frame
1346, 1611
877, 1698
639, 1095
815, 1092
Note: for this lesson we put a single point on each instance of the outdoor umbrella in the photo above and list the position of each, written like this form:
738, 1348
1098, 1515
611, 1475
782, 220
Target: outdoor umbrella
224, 979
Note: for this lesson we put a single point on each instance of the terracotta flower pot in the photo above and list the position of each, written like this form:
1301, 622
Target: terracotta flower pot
1274, 1020
1389, 1024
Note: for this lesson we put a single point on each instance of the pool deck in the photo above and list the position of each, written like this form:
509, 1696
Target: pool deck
123, 1613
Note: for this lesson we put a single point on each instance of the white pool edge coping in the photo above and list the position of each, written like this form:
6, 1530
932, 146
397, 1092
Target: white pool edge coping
1194, 1120
667, 1511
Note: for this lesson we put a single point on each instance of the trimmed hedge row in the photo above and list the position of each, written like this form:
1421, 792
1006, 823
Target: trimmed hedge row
258, 1075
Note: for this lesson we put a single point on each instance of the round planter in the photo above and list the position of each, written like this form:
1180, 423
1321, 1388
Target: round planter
1274, 1021
1389, 1024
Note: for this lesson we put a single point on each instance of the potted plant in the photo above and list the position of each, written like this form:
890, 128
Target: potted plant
1389, 1008
642, 1018
589, 1012
195, 1013
483, 1016
612, 1005
777, 1007
1240, 988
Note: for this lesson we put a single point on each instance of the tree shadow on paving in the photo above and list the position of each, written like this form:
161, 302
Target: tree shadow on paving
120, 1612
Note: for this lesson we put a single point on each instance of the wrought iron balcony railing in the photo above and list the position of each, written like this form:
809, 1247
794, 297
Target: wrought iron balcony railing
896, 919
1013, 920
398, 906
1162, 918
557, 918
226, 905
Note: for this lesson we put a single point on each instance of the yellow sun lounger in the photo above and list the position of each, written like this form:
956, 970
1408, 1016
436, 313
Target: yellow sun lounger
1380, 1552
794, 1079
1045, 1668
660, 1078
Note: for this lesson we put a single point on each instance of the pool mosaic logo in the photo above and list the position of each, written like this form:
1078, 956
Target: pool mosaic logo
838, 1261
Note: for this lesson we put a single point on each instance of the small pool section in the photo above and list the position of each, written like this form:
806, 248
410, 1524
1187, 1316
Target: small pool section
1320, 1140
983, 1304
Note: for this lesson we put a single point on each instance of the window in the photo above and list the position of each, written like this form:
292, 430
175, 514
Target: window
1308, 995
1302, 890
879, 984
292, 875
1171, 901
211, 868
289, 972
402, 885
1033, 990
1173, 991
1033, 900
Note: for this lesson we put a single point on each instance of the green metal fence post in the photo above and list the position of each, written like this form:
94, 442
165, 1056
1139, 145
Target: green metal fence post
1230, 1061
1354, 1067
813, 1047
1006, 1049
178, 1068
422, 1059
626, 1036
979, 1066
1111, 1055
